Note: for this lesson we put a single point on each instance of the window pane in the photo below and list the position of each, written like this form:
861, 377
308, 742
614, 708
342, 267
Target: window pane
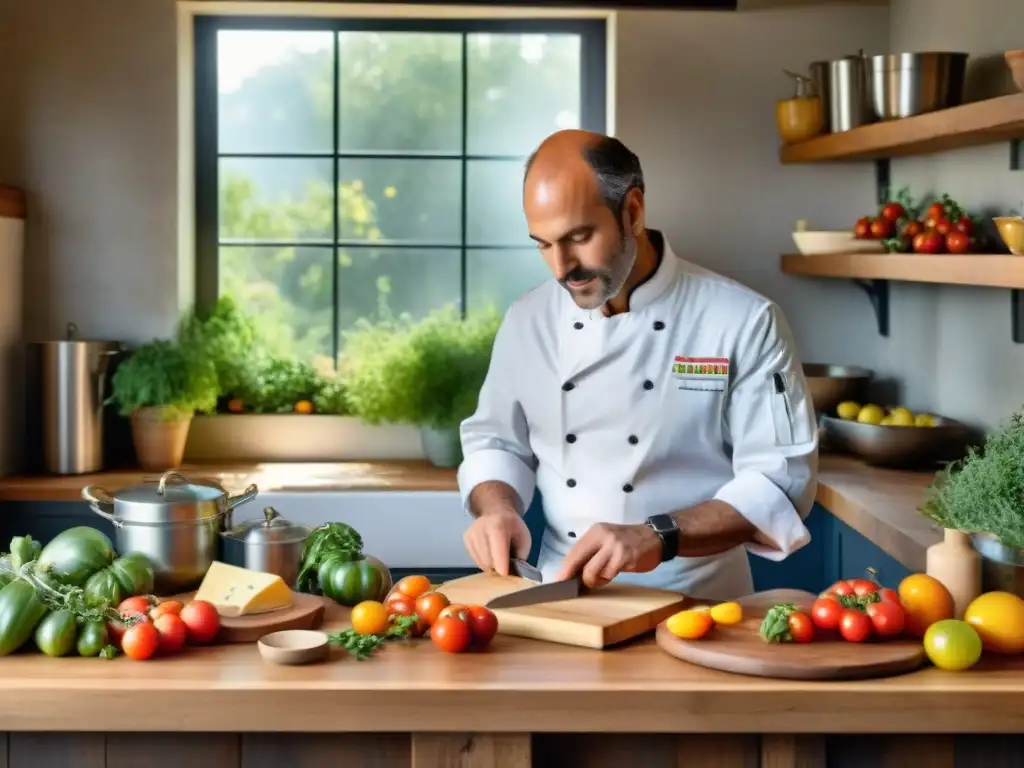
288, 293
494, 211
521, 88
413, 201
276, 91
271, 199
412, 280
499, 277
400, 91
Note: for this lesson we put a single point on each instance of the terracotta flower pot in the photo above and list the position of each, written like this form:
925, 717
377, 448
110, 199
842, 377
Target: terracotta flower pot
159, 435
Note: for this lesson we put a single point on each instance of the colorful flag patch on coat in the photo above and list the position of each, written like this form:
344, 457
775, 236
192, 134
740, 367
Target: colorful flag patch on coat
703, 373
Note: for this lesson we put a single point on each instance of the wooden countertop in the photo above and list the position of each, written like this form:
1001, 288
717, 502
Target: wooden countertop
518, 685
878, 503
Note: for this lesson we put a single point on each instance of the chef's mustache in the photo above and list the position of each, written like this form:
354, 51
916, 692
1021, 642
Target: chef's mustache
579, 275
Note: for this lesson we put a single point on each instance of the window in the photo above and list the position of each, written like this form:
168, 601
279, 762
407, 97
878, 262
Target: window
343, 166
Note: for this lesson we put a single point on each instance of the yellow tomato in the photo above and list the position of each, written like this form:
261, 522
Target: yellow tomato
998, 618
925, 601
690, 625
952, 645
370, 618
303, 406
727, 613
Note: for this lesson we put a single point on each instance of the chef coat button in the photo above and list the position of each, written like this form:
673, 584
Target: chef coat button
578, 325
568, 386
570, 438
627, 488
659, 326
648, 384
633, 439
571, 483
572, 534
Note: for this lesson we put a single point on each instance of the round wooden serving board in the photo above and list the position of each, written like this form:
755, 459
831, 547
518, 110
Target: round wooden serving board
740, 648
305, 612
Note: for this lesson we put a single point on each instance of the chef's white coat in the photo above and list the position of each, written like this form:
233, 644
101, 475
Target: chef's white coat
613, 423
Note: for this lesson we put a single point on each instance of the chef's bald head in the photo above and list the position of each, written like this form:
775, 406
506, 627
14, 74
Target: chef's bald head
583, 195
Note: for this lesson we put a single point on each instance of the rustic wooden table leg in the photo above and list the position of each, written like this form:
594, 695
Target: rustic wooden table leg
785, 751
471, 750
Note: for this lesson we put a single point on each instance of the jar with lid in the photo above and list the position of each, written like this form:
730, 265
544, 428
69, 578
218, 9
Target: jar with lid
801, 117
271, 545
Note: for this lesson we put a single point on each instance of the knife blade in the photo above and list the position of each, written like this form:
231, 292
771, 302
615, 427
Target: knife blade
542, 593
524, 570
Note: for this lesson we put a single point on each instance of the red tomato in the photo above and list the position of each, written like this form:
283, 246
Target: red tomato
943, 226
863, 587
965, 225
933, 214
893, 211
483, 625
140, 641
912, 229
881, 228
862, 229
429, 606
928, 242
841, 588
889, 596
887, 618
202, 621
403, 605
173, 632
825, 613
455, 611
413, 586
451, 635
165, 607
957, 242
801, 627
854, 626
137, 604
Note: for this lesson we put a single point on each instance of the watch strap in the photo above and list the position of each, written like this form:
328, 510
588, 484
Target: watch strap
668, 531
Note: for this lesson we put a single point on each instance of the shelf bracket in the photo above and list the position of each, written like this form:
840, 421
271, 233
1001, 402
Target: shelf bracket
1016, 154
883, 184
1017, 315
878, 295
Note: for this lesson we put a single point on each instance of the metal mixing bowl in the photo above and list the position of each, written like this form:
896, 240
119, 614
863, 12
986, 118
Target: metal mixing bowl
902, 447
830, 385
907, 84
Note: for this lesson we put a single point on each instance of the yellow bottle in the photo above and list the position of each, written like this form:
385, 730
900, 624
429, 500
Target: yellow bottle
801, 117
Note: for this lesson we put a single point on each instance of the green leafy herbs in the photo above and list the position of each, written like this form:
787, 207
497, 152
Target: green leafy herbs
276, 385
775, 625
228, 337
335, 540
859, 603
332, 399
984, 491
426, 373
363, 646
165, 374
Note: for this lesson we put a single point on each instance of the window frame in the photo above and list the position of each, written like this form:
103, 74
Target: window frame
593, 33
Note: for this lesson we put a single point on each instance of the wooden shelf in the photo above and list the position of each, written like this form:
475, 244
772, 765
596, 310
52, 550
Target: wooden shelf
981, 122
873, 273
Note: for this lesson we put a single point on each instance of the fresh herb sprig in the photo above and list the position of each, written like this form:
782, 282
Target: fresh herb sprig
775, 626
363, 646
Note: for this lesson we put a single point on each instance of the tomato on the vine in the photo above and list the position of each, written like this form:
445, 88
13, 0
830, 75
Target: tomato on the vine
965, 225
841, 588
450, 634
483, 625
862, 229
165, 607
863, 587
958, 242
429, 606
137, 604
398, 604
881, 228
202, 620
893, 212
825, 612
887, 618
854, 626
801, 628
455, 611
140, 641
172, 632
887, 595
413, 586
933, 214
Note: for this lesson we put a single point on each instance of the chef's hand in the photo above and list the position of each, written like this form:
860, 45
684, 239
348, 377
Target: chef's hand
607, 549
495, 534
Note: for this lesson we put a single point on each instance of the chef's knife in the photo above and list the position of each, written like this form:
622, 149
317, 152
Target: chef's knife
542, 593
524, 570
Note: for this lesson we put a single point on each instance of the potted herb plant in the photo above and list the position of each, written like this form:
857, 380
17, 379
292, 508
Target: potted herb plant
160, 386
983, 495
427, 374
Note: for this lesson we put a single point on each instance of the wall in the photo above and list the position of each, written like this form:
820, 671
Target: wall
88, 126
963, 334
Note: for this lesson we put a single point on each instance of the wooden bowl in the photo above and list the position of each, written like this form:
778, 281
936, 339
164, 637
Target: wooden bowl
293, 646
1015, 61
899, 447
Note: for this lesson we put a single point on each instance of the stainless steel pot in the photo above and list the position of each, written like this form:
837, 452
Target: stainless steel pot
175, 522
272, 545
1002, 566
848, 94
907, 84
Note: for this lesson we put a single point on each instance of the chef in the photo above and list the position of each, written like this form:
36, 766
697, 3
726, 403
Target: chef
659, 407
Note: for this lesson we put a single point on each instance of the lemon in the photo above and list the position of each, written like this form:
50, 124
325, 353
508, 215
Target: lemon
901, 417
690, 625
924, 420
871, 414
848, 410
952, 645
727, 613
998, 618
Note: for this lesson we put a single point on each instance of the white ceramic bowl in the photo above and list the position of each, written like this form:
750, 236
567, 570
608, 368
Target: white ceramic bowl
808, 242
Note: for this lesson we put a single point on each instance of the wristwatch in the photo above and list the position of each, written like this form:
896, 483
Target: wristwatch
668, 531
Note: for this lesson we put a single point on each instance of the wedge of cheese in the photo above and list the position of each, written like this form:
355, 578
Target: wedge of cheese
235, 591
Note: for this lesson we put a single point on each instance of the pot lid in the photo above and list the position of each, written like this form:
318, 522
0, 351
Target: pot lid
171, 488
272, 529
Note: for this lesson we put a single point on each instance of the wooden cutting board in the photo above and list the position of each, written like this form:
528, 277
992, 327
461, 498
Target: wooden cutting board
305, 612
740, 648
607, 616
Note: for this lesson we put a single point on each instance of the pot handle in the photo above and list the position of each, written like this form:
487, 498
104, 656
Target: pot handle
101, 503
248, 494
177, 477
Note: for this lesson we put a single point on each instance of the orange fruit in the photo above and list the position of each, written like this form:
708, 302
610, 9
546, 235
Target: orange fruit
303, 406
370, 618
925, 600
998, 618
690, 625
727, 613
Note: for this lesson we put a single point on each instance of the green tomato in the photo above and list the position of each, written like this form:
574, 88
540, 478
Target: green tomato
349, 582
56, 633
952, 644
134, 573
103, 585
92, 638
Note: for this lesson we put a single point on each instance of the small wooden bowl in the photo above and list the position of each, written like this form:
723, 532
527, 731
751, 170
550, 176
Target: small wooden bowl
293, 646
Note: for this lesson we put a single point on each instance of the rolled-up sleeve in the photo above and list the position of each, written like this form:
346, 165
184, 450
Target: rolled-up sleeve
495, 439
770, 425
